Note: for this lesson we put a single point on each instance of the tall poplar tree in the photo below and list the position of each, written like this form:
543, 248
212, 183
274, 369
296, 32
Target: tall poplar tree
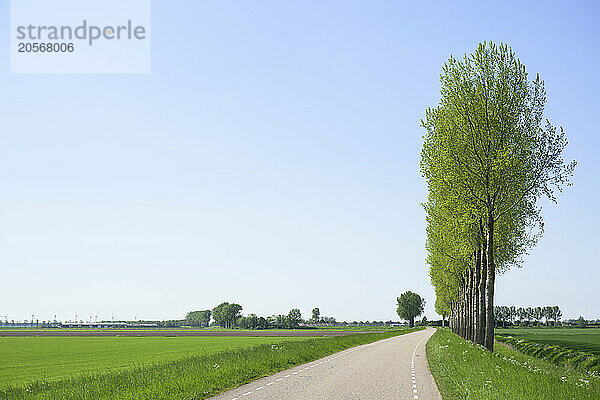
488, 157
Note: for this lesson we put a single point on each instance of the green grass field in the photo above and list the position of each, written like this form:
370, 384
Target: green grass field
23, 360
581, 339
463, 370
191, 377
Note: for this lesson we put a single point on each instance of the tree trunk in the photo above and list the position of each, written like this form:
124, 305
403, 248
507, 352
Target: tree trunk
466, 308
464, 312
459, 315
461, 312
469, 304
482, 306
466, 300
472, 307
474, 303
490, 282
454, 317
476, 279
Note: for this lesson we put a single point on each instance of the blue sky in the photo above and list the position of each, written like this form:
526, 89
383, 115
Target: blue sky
271, 159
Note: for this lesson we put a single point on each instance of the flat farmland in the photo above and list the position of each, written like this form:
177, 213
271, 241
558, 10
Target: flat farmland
158, 368
581, 339
26, 359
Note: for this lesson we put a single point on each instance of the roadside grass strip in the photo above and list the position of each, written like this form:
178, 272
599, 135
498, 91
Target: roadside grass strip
196, 377
463, 370
558, 355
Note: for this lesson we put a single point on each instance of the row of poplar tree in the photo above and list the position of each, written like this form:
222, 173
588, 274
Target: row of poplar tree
504, 314
489, 155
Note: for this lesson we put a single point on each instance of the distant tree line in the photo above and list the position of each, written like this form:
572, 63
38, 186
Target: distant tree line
229, 315
290, 321
317, 318
527, 315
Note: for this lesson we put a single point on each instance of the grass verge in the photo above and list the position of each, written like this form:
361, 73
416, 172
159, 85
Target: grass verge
195, 377
558, 355
463, 370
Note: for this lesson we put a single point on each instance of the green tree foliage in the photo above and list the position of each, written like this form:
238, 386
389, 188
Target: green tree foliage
294, 318
410, 306
538, 314
547, 312
530, 314
522, 313
198, 318
281, 321
441, 307
556, 314
488, 157
226, 314
316, 315
252, 321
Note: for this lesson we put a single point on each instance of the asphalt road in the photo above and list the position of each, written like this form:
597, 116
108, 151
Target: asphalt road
394, 368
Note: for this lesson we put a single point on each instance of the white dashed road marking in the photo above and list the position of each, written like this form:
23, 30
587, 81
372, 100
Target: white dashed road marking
412, 370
